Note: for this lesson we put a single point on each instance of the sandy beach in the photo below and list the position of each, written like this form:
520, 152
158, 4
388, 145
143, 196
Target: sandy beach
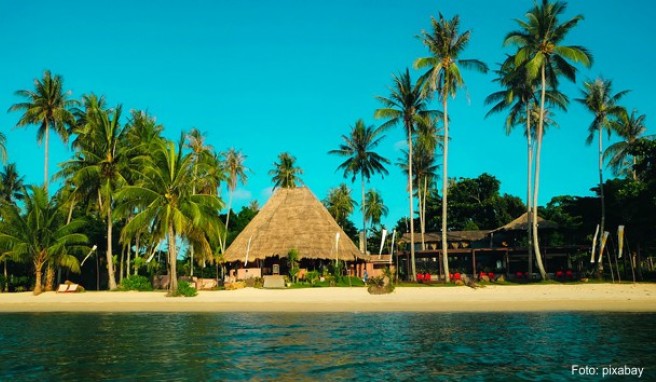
528, 298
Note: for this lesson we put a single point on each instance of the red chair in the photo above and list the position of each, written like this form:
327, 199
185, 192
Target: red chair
427, 277
559, 274
481, 274
457, 277
420, 277
491, 276
519, 275
569, 274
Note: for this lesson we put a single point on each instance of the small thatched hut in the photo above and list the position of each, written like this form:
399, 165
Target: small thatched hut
521, 224
293, 218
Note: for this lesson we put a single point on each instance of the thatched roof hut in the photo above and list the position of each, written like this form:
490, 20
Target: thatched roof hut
293, 218
521, 224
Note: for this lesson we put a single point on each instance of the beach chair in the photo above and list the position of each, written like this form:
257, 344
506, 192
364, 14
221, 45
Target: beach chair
62, 288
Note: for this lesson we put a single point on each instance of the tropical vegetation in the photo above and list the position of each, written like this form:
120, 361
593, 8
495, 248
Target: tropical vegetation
142, 205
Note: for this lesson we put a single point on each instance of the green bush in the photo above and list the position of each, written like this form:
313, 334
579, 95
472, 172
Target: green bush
186, 290
140, 283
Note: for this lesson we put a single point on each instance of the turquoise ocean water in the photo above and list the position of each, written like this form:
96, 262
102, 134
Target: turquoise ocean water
326, 347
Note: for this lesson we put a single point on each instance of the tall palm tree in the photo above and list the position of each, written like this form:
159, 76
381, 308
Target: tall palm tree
519, 97
406, 106
446, 44
599, 99
169, 207
339, 203
100, 168
428, 138
233, 165
196, 142
539, 48
47, 106
285, 174
40, 233
630, 128
375, 207
357, 148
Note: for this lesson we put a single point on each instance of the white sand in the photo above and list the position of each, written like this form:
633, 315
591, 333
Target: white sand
529, 298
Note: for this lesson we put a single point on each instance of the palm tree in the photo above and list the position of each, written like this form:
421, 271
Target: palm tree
233, 165
520, 98
170, 208
100, 168
630, 128
599, 100
11, 185
425, 168
11, 190
40, 234
540, 50
406, 106
358, 148
285, 174
375, 208
199, 150
144, 134
339, 203
48, 106
446, 45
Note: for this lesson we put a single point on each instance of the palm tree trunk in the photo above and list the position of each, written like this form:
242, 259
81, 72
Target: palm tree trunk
121, 269
5, 288
191, 249
422, 214
38, 268
534, 223
600, 266
445, 189
413, 277
110, 264
173, 258
45, 160
50, 278
364, 219
529, 161
225, 236
136, 251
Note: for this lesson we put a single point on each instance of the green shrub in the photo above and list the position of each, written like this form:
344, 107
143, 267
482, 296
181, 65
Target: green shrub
254, 282
186, 290
140, 283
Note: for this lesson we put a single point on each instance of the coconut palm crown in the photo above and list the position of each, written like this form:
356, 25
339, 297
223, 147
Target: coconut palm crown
49, 107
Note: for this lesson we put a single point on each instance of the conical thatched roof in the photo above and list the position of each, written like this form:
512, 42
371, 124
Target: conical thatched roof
521, 224
292, 218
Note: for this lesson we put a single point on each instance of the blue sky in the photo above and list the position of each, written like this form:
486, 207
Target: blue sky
267, 77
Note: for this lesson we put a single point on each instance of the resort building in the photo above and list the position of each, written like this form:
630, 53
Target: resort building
500, 251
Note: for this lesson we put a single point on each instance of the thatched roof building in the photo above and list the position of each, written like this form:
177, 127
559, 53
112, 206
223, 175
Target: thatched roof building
521, 224
292, 218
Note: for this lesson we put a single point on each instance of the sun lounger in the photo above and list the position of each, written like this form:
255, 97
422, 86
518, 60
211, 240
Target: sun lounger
67, 288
